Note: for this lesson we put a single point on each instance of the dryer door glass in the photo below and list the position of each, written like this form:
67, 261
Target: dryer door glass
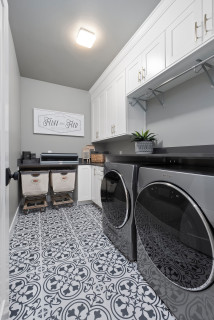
176, 235
115, 199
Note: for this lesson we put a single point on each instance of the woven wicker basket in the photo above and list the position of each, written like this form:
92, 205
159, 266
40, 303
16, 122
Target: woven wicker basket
97, 157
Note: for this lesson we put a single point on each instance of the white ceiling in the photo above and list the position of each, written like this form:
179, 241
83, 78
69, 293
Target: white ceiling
44, 33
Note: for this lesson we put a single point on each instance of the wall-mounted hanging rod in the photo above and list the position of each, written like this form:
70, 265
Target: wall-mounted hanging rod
200, 63
158, 94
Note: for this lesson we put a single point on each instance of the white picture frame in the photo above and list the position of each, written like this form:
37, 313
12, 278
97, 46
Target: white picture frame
58, 123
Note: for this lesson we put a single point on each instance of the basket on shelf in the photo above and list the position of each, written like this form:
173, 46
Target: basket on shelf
97, 157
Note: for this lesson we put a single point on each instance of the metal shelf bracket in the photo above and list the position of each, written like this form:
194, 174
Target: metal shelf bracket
206, 67
142, 103
158, 95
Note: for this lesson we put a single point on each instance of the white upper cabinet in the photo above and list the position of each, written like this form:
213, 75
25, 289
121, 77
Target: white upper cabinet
133, 75
146, 65
185, 33
110, 110
120, 105
208, 14
153, 60
95, 118
102, 116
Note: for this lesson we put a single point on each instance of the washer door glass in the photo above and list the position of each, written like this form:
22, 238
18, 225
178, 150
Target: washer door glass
115, 199
176, 235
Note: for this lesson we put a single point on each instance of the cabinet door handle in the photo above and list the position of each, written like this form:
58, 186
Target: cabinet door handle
143, 73
114, 128
196, 31
205, 23
111, 129
139, 76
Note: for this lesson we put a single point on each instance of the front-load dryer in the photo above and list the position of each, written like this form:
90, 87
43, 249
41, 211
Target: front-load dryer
174, 216
118, 196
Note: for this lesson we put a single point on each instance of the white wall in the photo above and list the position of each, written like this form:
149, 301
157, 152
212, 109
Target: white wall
187, 117
14, 125
44, 95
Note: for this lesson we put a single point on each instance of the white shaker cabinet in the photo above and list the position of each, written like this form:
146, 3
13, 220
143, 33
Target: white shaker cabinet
84, 183
96, 180
95, 109
153, 58
133, 75
146, 65
102, 116
185, 33
110, 110
120, 114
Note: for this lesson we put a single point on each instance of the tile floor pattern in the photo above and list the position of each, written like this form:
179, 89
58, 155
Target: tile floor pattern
62, 267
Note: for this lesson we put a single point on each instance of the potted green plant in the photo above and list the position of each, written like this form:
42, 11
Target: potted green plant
144, 141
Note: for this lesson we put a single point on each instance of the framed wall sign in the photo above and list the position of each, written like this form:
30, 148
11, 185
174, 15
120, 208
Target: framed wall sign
58, 123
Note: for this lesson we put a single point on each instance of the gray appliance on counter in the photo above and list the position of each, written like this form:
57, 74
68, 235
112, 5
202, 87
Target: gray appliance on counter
118, 195
174, 217
59, 158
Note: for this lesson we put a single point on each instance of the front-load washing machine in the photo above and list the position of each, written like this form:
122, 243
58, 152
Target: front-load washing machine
174, 216
118, 195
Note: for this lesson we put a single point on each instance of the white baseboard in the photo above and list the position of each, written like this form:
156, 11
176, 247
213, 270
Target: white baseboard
14, 220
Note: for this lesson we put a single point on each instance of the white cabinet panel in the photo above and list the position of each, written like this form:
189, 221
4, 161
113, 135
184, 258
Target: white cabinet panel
184, 34
153, 60
102, 116
97, 177
110, 110
133, 75
120, 105
84, 183
208, 17
95, 119
147, 65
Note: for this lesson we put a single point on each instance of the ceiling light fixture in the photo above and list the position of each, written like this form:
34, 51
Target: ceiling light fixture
85, 38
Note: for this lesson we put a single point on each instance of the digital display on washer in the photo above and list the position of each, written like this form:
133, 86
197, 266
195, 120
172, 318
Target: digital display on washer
175, 234
115, 199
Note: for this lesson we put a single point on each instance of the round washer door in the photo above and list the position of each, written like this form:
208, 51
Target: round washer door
115, 199
176, 235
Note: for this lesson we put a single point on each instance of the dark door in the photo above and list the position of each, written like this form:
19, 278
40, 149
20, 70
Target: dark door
115, 199
176, 235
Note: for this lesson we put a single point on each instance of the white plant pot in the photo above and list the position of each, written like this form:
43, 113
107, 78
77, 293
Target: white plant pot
143, 147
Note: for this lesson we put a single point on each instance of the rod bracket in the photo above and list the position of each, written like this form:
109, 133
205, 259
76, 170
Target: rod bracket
158, 95
206, 67
142, 103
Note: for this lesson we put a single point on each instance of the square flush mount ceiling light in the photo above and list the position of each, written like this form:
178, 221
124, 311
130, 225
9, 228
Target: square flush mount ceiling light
85, 38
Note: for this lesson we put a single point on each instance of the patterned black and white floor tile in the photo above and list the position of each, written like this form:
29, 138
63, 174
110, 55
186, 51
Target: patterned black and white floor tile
62, 267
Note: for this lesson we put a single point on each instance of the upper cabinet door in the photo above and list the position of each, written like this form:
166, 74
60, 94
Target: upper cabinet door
208, 14
133, 75
153, 59
95, 119
119, 126
185, 33
110, 110
102, 115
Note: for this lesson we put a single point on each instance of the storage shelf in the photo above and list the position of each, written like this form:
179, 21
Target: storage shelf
156, 88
